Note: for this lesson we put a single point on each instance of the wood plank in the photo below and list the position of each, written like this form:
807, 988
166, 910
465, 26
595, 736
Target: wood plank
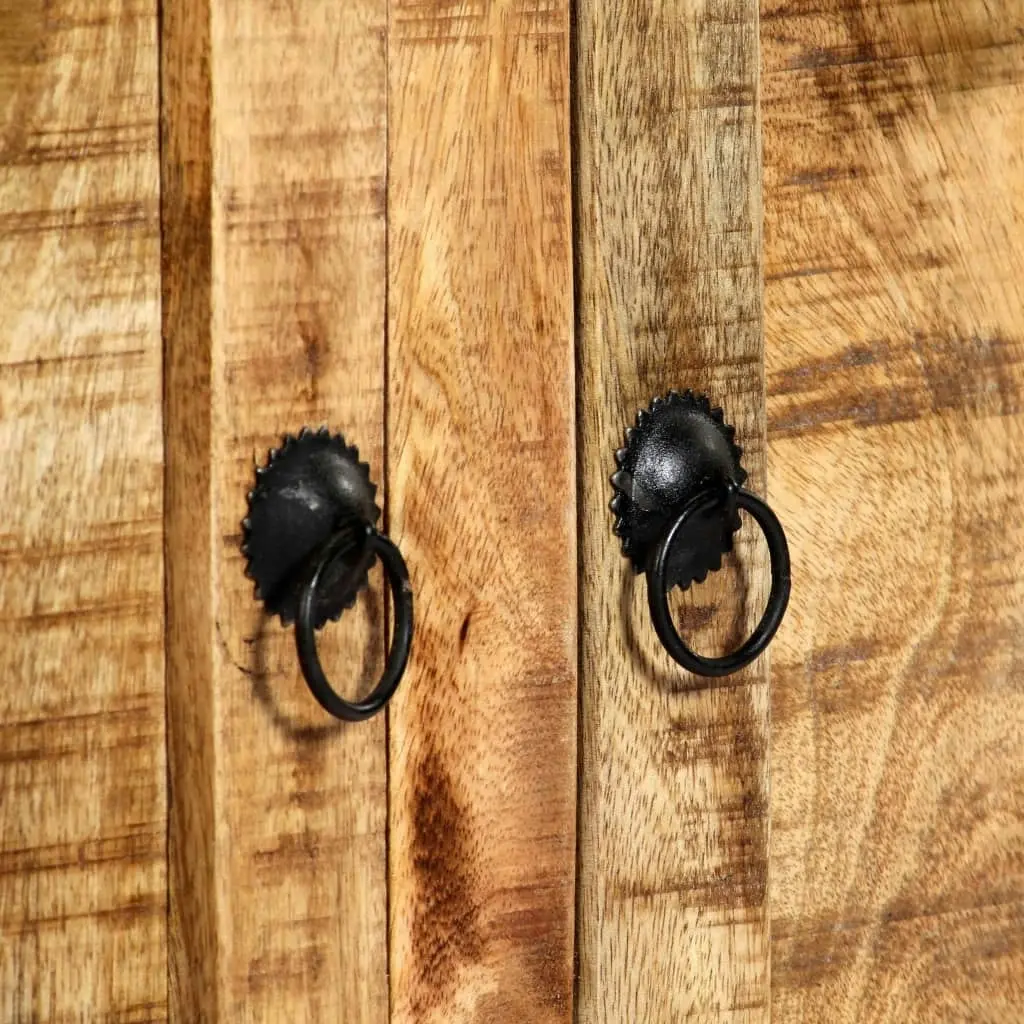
82, 764
895, 325
673, 919
481, 467
274, 226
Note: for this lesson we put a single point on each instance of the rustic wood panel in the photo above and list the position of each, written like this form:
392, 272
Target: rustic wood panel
82, 766
481, 467
274, 226
895, 325
672, 916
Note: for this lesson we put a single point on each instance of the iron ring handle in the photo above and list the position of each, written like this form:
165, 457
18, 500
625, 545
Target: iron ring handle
397, 574
778, 598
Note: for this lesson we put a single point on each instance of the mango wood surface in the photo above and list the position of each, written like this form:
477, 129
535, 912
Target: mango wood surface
82, 765
673, 920
274, 259
482, 483
894, 178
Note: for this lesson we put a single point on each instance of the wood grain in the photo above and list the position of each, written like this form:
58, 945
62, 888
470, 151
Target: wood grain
82, 765
481, 468
274, 161
895, 354
673, 833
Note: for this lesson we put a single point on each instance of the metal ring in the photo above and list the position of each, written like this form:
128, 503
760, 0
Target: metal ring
778, 598
401, 640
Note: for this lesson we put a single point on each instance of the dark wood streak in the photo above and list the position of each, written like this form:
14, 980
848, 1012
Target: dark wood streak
187, 265
23, 44
446, 927
464, 630
918, 377
315, 349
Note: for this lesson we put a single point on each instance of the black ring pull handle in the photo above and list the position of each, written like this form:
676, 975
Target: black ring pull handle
401, 641
310, 539
678, 494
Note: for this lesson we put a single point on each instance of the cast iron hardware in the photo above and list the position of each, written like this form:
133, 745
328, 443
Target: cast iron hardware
310, 539
678, 492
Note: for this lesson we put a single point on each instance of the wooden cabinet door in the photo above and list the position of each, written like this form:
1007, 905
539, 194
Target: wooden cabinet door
674, 787
224, 222
367, 224
894, 196
475, 239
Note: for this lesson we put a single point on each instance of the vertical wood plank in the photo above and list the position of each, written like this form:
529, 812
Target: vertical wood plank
82, 763
274, 260
894, 184
481, 468
673, 919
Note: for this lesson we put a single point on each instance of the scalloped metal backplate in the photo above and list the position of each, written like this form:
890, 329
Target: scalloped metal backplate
678, 446
310, 488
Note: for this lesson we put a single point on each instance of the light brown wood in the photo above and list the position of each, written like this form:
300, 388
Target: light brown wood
674, 775
274, 162
82, 766
895, 351
481, 467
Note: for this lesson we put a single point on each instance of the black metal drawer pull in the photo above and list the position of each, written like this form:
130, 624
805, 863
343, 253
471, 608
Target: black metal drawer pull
678, 492
310, 539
